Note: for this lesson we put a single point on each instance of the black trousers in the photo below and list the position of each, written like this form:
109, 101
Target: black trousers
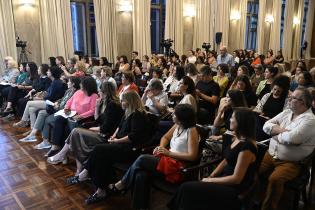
101, 160
139, 179
205, 196
61, 130
15, 94
4, 92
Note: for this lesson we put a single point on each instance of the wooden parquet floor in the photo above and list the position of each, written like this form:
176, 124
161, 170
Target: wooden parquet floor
28, 182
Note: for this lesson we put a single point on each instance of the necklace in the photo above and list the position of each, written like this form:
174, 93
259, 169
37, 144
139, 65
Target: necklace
179, 132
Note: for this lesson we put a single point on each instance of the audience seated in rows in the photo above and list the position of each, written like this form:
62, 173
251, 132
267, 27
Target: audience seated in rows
122, 100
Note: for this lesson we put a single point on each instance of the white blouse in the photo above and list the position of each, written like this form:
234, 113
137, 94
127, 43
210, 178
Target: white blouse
179, 141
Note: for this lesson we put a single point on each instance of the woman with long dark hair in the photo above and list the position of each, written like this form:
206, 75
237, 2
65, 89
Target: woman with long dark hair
18, 91
233, 100
83, 102
108, 114
243, 84
133, 131
265, 85
231, 177
45, 116
182, 140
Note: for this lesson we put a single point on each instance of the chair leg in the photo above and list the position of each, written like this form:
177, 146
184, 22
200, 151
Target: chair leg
296, 200
311, 182
304, 197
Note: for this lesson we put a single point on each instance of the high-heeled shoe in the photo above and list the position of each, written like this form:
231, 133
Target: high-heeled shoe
113, 190
95, 198
54, 161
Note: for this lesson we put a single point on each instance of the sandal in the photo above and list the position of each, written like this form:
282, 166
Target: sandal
95, 198
112, 190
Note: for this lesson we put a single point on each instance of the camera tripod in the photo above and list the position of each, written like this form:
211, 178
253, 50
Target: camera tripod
23, 56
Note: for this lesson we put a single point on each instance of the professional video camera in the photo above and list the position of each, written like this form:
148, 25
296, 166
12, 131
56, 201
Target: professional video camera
22, 44
206, 46
167, 43
168, 51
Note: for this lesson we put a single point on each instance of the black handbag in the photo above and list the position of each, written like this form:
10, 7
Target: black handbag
50, 109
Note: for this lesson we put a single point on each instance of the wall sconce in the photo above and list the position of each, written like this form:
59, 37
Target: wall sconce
269, 19
296, 21
235, 15
189, 11
27, 2
125, 6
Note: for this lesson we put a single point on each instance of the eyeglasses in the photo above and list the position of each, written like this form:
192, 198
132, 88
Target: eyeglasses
295, 98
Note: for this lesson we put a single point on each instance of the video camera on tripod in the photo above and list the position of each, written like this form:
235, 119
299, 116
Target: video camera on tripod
22, 44
167, 48
206, 46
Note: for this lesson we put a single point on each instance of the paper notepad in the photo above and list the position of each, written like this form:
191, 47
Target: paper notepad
49, 103
4, 83
63, 114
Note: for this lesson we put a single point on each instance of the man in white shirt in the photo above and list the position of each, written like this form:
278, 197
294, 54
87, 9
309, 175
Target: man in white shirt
293, 139
225, 57
154, 98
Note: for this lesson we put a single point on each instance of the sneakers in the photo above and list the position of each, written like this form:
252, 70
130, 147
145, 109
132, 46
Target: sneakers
26, 133
42, 145
21, 124
28, 139
7, 111
8, 118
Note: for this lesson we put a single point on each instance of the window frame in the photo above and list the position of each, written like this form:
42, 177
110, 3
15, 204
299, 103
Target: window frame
159, 6
251, 39
88, 25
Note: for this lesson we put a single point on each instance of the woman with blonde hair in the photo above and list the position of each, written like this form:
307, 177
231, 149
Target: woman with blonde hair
133, 131
108, 113
80, 70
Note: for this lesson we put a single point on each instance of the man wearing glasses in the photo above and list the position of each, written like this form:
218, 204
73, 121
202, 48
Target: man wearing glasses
293, 139
225, 57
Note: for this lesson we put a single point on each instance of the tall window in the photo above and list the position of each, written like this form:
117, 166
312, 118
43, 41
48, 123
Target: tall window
251, 24
282, 23
306, 3
157, 24
83, 27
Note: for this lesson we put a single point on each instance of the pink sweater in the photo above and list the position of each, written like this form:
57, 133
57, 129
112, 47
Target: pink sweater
84, 105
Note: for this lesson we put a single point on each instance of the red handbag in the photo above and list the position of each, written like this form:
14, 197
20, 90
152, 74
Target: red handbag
171, 168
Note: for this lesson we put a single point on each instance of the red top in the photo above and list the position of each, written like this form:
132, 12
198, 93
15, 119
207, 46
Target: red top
132, 86
256, 61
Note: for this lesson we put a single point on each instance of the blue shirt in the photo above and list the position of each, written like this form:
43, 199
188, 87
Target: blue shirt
227, 59
55, 91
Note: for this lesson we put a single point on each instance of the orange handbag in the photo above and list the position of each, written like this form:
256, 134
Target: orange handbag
171, 168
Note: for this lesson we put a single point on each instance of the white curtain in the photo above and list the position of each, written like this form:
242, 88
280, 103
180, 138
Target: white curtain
7, 32
242, 28
298, 31
260, 27
274, 42
174, 27
203, 23
222, 19
309, 28
141, 27
288, 30
55, 29
105, 20
238, 27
